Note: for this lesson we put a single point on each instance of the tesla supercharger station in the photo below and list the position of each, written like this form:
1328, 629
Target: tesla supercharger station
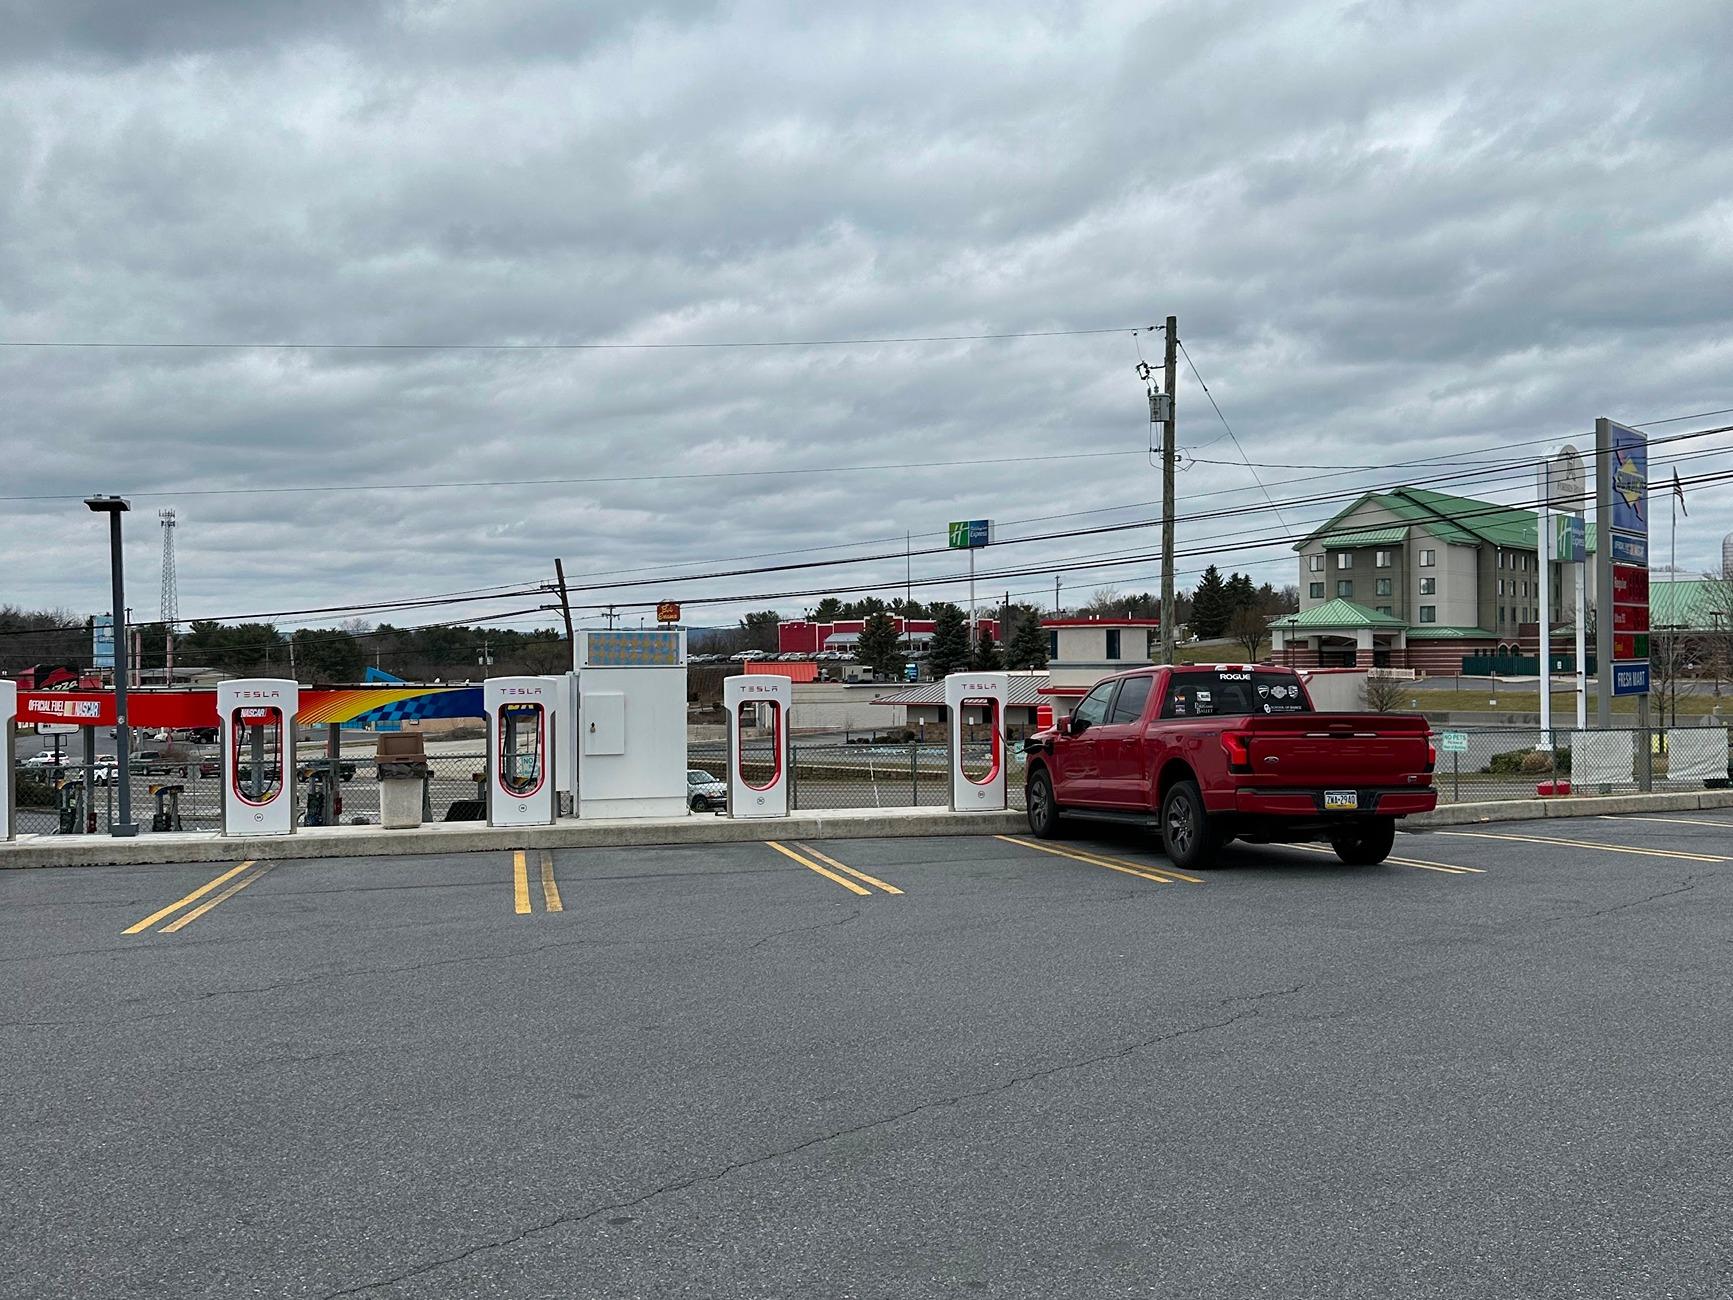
522, 726
976, 699
257, 722
631, 722
762, 702
8, 730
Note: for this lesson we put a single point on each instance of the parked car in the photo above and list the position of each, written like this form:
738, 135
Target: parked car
1214, 753
38, 762
310, 768
704, 791
162, 762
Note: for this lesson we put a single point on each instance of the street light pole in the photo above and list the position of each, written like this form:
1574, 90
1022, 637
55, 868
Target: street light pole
114, 507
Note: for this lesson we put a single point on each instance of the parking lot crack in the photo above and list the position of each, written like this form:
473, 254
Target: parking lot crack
1685, 886
722, 1172
853, 915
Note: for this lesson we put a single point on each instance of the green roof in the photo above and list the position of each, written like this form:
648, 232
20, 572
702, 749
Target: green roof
1689, 603
1334, 614
1367, 537
1433, 632
1500, 525
1463, 521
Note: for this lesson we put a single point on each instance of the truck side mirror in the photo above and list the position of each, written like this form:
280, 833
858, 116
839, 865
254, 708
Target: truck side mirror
1076, 726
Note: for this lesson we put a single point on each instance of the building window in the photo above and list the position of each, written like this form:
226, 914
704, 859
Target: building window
1501, 586
1344, 559
1345, 587
1501, 559
1429, 613
1428, 559
1429, 586
1381, 559
1052, 643
1381, 587
1113, 643
1314, 564
1501, 618
1383, 609
1316, 591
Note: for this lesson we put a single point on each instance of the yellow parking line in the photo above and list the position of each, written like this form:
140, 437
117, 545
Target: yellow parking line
1587, 844
840, 866
813, 866
550, 890
179, 903
1447, 867
520, 878
1671, 821
209, 903
1089, 860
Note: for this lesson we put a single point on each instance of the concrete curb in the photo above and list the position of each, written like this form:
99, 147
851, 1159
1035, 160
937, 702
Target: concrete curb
832, 824
1517, 810
470, 837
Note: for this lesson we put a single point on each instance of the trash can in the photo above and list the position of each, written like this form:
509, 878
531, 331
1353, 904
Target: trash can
402, 780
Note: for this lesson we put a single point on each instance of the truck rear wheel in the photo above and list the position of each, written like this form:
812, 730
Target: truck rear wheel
1187, 835
1365, 844
1042, 807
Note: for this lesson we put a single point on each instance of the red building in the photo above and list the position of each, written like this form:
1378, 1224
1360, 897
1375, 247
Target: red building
802, 637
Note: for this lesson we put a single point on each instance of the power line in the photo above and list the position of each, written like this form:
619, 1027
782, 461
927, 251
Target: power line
1211, 547
563, 482
239, 346
1230, 429
1451, 477
1455, 458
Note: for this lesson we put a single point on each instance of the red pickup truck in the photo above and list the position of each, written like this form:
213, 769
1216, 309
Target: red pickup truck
1219, 752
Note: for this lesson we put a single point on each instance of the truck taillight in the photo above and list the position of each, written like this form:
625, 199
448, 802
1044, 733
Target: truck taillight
1236, 744
1431, 756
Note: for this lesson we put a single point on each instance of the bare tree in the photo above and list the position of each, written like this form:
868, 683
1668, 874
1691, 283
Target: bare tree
1249, 628
1383, 693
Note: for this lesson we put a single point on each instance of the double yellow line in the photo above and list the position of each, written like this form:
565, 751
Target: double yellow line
1445, 867
1160, 875
188, 918
1674, 855
520, 874
806, 855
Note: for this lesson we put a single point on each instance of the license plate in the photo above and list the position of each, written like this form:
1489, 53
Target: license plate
1341, 800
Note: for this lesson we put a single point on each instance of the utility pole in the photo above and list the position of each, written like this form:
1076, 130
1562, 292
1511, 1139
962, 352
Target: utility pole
1170, 372
610, 618
1055, 595
566, 608
485, 656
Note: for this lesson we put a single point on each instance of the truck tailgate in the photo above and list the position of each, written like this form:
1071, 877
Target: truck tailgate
1350, 750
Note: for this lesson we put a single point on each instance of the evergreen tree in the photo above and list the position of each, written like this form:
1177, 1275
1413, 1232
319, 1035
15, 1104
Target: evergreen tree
1240, 594
880, 648
986, 657
950, 652
827, 610
1027, 647
1209, 605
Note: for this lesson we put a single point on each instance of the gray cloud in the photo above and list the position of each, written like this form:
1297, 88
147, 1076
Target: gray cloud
1390, 231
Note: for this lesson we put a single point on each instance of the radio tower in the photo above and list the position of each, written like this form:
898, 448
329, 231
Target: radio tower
171, 601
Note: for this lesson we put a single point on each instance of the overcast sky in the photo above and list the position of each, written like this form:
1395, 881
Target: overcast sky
1389, 230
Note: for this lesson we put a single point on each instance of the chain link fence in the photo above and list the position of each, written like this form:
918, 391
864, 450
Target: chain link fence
1484, 764
1474, 765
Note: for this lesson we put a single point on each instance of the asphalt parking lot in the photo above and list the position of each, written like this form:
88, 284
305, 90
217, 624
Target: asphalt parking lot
1495, 1066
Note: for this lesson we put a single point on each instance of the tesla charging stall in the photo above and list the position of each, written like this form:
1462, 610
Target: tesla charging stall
761, 702
522, 713
8, 728
631, 723
976, 699
257, 722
